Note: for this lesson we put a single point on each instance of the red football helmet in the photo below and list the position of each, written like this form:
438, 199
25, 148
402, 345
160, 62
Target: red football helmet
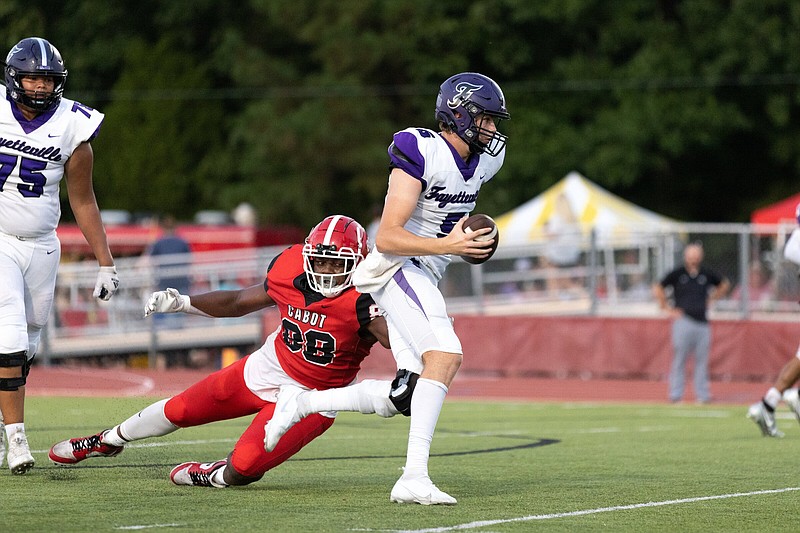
336, 237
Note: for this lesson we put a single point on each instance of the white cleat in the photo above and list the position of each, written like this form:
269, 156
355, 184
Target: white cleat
419, 490
792, 399
764, 419
20, 459
197, 474
287, 414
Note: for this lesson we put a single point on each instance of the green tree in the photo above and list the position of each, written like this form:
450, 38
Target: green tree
687, 107
159, 148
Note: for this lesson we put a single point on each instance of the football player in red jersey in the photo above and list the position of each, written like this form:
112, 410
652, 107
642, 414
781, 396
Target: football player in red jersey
326, 330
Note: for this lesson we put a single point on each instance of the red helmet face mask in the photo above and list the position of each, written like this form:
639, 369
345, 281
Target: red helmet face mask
335, 238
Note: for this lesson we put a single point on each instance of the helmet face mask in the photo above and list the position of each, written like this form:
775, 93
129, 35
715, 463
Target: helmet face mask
466, 104
35, 57
338, 239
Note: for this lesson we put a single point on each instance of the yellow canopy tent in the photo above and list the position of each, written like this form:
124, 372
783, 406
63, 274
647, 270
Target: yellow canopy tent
578, 203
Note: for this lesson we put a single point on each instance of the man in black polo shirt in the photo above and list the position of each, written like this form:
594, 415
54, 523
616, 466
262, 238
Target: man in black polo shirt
693, 287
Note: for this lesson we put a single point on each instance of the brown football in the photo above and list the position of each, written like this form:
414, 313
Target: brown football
476, 222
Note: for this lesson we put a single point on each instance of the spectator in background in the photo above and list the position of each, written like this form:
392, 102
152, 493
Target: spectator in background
245, 215
170, 274
634, 282
563, 250
693, 286
169, 257
637, 287
760, 287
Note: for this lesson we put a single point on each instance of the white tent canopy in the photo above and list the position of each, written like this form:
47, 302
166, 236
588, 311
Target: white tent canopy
578, 205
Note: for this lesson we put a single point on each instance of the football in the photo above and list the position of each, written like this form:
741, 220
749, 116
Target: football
476, 222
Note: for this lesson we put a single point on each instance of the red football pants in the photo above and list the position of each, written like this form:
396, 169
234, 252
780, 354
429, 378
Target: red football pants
224, 395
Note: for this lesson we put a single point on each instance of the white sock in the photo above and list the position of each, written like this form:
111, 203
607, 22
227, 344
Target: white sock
319, 401
773, 397
426, 404
367, 397
13, 429
149, 422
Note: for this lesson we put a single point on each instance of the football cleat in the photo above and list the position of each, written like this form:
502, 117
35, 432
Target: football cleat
792, 399
286, 414
419, 490
765, 419
69, 452
197, 474
20, 459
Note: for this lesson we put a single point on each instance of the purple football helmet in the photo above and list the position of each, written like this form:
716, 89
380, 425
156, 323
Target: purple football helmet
465, 96
35, 56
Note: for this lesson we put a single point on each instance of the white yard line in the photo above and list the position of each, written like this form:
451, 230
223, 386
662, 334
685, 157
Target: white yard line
149, 526
485, 523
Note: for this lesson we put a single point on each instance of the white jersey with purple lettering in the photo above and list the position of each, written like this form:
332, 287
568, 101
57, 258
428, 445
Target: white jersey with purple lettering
32, 158
450, 185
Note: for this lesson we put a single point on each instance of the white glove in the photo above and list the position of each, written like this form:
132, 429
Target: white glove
168, 301
107, 283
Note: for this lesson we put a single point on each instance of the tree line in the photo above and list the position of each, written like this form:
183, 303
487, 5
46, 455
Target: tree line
688, 108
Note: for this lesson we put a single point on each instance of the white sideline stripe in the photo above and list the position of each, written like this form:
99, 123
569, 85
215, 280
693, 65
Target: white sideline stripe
484, 523
150, 526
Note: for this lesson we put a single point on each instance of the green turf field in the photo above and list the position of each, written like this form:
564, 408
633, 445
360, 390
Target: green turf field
512, 466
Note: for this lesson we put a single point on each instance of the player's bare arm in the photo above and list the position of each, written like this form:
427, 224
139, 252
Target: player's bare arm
233, 303
380, 331
393, 238
78, 174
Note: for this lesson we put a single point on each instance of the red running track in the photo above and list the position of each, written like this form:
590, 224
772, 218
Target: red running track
88, 381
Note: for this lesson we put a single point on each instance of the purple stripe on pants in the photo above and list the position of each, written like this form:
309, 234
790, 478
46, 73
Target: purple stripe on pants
402, 282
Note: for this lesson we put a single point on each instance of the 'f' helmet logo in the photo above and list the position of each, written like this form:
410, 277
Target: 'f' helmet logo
12, 52
464, 92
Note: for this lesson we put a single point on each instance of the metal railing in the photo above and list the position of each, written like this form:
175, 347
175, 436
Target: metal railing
614, 276
84, 326
611, 276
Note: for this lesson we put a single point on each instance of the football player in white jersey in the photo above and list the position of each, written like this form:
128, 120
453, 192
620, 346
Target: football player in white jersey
433, 185
763, 411
43, 138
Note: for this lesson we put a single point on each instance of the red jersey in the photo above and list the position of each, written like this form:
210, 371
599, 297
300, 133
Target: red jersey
322, 341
